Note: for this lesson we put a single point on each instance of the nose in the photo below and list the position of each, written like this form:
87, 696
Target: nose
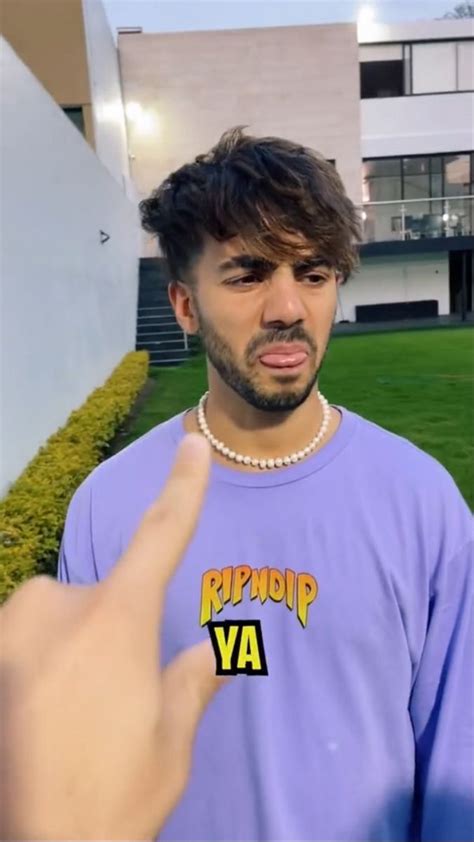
283, 301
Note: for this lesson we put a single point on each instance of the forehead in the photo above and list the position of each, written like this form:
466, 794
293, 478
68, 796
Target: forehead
215, 253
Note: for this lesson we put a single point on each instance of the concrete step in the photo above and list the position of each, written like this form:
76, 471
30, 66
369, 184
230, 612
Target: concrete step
165, 324
170, 357
155, 308
175, 342
166, 321
144, 335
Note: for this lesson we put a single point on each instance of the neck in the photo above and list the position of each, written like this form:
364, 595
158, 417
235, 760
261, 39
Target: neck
261, 434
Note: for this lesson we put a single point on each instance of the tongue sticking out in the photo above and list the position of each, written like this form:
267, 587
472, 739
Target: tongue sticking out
283, 360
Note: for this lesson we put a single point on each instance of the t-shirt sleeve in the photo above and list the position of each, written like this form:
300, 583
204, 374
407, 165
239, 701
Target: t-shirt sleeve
442, 706
76, 563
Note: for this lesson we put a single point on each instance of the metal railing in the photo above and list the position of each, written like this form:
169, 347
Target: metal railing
418, 219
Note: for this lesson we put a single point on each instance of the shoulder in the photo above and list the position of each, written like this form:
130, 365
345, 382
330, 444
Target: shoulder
411, 480
143, 464
108, 505
388, 451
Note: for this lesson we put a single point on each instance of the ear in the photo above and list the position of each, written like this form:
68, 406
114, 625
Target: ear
181, 300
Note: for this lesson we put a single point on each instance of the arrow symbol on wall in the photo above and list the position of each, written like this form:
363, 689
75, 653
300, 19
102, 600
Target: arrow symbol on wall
104, 237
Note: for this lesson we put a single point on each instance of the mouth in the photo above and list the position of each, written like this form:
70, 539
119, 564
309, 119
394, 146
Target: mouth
291, 357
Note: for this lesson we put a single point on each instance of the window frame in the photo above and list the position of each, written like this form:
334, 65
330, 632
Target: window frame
392, 62
407, 54
439, 155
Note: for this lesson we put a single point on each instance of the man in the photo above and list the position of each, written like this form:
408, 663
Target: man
362, 729
70, 654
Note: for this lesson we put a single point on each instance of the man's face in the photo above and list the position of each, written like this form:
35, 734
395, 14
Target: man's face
265, 327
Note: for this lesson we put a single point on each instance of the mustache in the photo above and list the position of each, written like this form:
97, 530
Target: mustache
294, 334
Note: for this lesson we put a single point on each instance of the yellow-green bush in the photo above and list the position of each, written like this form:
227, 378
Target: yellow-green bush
33, 512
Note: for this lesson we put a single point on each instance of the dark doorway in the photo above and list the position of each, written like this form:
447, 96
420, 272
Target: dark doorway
460, 282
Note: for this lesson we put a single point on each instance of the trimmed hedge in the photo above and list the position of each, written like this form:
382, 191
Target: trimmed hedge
33, 512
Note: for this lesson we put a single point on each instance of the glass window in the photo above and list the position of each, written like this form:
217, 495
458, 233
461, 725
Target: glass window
436, 162
436, 184
382, 180
418, 177
385, 189
456, 175
76, 116
416, 166
382, 79
381, 166
416, 186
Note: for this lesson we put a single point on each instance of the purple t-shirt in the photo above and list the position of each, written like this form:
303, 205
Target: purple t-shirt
363, 727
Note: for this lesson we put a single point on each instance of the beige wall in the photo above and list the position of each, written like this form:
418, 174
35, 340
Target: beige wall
48, 35
296, 82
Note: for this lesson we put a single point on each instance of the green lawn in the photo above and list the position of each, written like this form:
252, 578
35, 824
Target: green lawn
419, 384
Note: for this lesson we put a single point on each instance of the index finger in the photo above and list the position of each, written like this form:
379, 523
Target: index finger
142, 573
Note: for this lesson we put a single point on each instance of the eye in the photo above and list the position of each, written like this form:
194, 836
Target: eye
316, 280
244, 280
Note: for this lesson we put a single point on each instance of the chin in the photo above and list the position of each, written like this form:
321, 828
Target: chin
284, 397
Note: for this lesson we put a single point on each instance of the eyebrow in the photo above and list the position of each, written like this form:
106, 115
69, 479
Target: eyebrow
246, 261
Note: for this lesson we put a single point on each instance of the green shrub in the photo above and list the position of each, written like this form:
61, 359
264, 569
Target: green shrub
33, 512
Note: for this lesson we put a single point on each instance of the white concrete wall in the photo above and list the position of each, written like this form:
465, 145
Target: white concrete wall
106, 92
420, 30
68, 303
390, 279
417, 125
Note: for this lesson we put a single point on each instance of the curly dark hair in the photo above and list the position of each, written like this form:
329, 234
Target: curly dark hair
265, 190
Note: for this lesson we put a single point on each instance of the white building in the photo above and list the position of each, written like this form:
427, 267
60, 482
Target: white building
393, 106
417, 133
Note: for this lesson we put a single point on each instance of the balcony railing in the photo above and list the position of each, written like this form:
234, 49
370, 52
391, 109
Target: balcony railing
418, 219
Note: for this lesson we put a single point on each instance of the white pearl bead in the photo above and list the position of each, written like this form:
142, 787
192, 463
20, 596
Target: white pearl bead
263, 463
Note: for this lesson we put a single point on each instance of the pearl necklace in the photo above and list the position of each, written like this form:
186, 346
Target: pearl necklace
280, 462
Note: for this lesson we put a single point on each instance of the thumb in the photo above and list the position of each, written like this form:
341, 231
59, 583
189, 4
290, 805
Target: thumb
189, 683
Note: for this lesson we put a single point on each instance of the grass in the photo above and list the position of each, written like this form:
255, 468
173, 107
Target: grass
419, 384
